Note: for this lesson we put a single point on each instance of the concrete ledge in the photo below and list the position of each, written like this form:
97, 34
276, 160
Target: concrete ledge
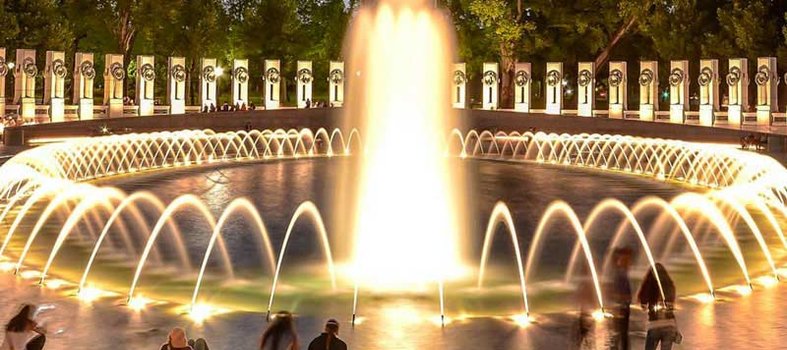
511, 120
220, 121
331, 117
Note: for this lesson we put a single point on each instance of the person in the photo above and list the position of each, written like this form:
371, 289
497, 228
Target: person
308, 103
585, 299
177, 340
212, 108
329, 340
205, 109
199, 344
225, 107
252, 106
662, 327
243, 107
22, 332
620, 298
280, 334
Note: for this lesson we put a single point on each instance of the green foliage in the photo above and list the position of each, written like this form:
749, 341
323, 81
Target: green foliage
486, 30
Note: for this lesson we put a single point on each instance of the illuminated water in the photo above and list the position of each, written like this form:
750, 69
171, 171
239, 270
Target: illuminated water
398, 323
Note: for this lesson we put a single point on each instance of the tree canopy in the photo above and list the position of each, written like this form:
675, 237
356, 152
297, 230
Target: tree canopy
506, 31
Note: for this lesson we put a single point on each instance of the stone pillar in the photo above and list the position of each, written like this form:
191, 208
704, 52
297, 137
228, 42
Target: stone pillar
678, 91
336, 82
522, 80
738, 89
3, 73
708, 81
648, 90
146, 79
55, 85
272, 79
84, 75
586, 89
176, 87
240, 82
208, 76
767, 80
554, 88
114, 75
303, 81
459, 86
491, 82
25, 74
618, 93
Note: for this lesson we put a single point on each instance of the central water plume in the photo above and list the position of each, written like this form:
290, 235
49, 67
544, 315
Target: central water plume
405, 224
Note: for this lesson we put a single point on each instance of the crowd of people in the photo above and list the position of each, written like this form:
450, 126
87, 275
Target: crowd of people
242, 107
23, 333
656, 298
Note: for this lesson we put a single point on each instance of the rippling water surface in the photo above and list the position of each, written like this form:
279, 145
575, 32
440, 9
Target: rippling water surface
392, 322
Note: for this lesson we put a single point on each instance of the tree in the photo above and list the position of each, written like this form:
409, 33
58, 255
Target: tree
323, 23
746, 28
505, 25
34, 24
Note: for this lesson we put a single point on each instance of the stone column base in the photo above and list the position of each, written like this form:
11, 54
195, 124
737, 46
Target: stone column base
647, 112
707, 115
764, 115
115, 108
676, 114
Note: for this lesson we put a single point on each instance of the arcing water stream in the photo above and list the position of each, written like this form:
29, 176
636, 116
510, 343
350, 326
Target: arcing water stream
734, 195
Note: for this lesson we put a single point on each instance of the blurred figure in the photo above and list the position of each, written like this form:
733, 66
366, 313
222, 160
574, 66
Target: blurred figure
212, 108
280, 334
662, 327
308, 103
252, 106
225, 107
176, 340
22, 333
199, 344
329, 340
619, 293
587, 303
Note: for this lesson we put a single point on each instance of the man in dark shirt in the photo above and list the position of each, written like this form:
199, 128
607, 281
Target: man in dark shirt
620, 298
328, 340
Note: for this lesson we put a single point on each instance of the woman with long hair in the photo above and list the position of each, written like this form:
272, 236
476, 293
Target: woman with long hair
280, 334
22, 333
659, 302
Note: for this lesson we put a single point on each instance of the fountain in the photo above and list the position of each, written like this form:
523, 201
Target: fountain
399, 50
400, 229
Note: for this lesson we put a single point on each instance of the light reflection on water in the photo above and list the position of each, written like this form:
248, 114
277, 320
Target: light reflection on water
277, 189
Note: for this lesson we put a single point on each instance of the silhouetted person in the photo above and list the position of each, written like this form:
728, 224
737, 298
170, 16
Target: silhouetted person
280, 334
587, 304
620, 298
248, 126
243, 107
252, 106
308, 103
662, 327
212, 108
205, 109
328, 340
176, 340
22, 332
199, 344
225, 107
